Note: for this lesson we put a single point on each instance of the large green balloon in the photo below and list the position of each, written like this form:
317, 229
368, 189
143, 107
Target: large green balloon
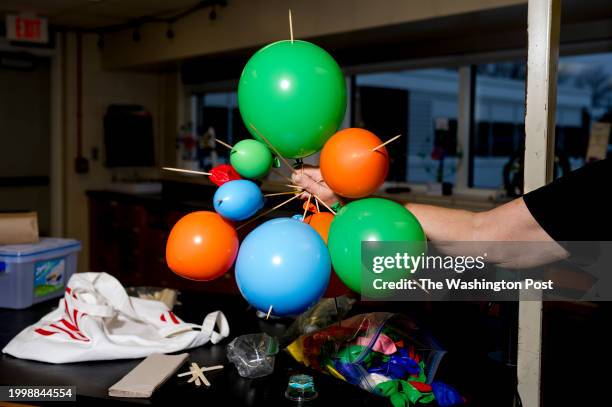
294, 93
251, 158
373, 220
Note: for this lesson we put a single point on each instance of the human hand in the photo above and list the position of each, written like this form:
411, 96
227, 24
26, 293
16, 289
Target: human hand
310, 179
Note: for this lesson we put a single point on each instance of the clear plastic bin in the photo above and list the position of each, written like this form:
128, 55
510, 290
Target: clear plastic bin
31, 273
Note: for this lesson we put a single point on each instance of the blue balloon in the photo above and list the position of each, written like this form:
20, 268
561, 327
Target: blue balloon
285, 264
238, 200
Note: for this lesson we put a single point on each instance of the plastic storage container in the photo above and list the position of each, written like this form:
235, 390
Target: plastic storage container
31, 273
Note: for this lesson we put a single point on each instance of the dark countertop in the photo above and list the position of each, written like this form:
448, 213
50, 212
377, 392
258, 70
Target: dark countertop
465, 366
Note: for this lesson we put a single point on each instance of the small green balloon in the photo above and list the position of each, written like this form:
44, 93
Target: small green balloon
294, 93
371, 220
251, 159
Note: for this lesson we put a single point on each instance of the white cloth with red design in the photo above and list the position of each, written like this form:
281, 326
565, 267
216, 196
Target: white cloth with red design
97, 320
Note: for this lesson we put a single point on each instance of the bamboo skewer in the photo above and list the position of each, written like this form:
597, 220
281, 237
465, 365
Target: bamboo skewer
269, 312
307, 207
186, 171
387, 142
268, 211
324, 204
282, 193
272, 148
277, 172
223, 143
290, 26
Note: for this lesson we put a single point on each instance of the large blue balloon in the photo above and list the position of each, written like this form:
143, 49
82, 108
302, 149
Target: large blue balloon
238, 200
285, 264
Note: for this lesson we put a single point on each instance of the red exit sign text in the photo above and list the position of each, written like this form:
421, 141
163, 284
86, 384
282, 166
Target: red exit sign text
26, 28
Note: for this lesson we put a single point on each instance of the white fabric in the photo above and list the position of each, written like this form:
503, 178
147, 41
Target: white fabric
97, 320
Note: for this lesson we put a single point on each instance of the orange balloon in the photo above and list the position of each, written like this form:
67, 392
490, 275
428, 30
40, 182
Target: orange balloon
201, 246
320, 222
350, 167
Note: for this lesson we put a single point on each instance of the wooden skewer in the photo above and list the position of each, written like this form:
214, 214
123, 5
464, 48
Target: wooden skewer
290, 26
324, 204
420, 286
223, 143
294, 186
387, 142
282, 193
317, 204
273, 148
277, 172
269, 312
268, 211
307, 206
186, 171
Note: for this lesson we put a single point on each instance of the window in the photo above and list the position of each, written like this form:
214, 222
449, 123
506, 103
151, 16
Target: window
421, 105
584, 97
499, 118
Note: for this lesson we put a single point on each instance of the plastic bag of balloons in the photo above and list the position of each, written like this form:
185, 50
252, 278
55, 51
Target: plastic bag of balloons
384, 353
326, 312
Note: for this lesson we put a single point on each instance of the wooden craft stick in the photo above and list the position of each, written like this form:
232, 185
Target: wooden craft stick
269, 312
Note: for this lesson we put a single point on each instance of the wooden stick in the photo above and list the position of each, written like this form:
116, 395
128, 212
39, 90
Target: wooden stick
290, 26
307, 206
223, 143
277, 172
269, 312
317, 204
294, 186
186, 171
324, 204
273, 148
268, 211
387, 142
282, 193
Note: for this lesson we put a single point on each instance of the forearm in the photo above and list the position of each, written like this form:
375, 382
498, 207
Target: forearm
444, 224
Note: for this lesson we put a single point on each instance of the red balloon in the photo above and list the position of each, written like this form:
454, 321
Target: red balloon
201, 246
223, 173
350, 166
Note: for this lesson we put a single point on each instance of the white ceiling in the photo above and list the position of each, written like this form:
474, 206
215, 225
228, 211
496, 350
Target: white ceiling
95, 13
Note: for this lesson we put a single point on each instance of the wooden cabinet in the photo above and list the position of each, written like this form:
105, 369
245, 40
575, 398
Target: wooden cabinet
128, 240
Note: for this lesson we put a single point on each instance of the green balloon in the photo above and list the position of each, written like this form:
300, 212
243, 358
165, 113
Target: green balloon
293, 93
251, 158
371, 220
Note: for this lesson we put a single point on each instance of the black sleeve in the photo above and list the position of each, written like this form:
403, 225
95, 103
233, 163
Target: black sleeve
576, 207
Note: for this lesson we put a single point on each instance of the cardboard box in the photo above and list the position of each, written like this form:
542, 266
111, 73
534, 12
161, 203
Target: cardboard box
18, 228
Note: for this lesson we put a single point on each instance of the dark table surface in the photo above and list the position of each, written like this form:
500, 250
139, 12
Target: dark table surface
484, 383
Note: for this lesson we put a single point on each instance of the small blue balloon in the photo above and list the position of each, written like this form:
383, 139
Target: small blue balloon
238, 200
285, 264
297, 216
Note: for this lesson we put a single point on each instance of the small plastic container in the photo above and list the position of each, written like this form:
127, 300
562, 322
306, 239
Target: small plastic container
32, 273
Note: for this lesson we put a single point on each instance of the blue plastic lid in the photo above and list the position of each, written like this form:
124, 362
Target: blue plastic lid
45, 245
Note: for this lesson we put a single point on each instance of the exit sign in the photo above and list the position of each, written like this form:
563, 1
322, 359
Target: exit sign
27, 28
